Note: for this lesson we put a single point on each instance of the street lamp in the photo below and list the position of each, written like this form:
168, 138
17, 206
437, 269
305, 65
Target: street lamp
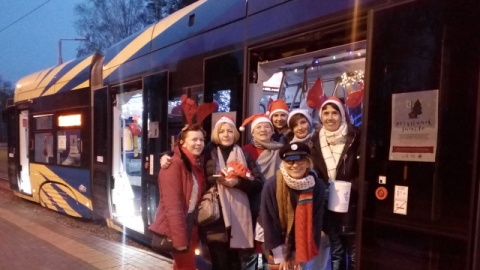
60, 60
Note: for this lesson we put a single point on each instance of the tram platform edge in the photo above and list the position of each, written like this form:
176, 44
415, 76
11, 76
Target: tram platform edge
60, 245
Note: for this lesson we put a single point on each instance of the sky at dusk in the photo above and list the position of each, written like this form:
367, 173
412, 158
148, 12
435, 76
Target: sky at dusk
31, 44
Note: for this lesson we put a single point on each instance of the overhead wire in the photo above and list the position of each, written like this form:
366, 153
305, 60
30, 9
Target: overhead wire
11, 24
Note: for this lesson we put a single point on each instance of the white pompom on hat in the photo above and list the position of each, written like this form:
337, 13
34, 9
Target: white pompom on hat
255, 120
302, 112
278, 105
336, 101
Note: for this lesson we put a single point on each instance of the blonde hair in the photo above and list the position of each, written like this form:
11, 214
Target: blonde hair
216, 129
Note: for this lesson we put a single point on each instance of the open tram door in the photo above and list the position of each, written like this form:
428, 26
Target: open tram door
127, 122
17, 118
420, 139
18, 163
137, 134
24, 184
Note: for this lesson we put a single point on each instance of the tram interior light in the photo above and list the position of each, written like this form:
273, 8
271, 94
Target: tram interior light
70, 120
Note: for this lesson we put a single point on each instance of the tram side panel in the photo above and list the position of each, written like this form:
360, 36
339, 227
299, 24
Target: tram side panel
422, 80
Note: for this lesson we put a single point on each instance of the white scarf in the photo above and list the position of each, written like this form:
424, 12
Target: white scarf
332, 144
297, 184
235, 204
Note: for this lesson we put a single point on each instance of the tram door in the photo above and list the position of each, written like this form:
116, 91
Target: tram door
127, 155
421, 184
24, 184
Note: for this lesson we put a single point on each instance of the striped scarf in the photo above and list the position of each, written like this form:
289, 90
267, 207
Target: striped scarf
305, 247
332, 144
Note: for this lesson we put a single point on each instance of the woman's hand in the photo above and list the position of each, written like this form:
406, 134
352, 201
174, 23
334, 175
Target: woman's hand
165, 161
228, 182
182, 248
290, 265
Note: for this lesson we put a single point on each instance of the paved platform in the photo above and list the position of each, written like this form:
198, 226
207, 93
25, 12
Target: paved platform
35, 243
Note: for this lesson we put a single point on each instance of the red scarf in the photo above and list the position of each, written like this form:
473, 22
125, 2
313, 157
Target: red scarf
305, 248
197, 170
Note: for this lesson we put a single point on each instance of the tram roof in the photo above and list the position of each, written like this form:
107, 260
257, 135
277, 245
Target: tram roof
208, 14
71, 75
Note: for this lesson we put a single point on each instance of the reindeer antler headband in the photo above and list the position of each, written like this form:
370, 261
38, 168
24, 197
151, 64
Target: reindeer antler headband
190, 109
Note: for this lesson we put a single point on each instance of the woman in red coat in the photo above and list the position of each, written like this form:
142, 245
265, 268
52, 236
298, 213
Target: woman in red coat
181, 186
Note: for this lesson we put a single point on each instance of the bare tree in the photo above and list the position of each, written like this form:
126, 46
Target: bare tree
159, 9
106, 22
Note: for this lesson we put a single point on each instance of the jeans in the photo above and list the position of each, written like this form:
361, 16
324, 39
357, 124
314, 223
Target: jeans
321, 261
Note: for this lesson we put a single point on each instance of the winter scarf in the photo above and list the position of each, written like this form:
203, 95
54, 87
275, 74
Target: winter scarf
235, 204
268, 160
198, 178
332, 144
306, 140
305, 247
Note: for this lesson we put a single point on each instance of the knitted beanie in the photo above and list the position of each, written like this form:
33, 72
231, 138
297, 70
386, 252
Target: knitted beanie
302, 112
336, 101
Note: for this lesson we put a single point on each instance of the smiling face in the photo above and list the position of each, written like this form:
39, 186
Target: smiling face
194, 142
296, 169
226, 134
262, 132
331, 118
279, 120
301, 127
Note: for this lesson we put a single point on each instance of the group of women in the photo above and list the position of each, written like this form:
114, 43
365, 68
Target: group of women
279, 209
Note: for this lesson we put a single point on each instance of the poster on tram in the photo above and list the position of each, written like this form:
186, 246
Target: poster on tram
414, 126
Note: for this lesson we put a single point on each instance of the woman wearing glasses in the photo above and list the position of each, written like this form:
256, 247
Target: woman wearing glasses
292, 211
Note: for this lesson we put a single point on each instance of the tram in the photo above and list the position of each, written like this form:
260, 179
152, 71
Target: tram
85, 137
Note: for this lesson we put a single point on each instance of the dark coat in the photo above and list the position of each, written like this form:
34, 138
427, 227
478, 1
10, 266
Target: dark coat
347, 170
252, 188
274, 235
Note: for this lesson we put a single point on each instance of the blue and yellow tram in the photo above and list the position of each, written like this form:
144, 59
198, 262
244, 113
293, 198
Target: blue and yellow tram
85, 137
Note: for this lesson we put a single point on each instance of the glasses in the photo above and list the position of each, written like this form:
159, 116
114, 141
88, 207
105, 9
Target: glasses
299, 162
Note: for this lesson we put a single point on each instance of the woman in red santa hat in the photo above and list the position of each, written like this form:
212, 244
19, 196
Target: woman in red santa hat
334, 154
278, 114
231, 240
265, 151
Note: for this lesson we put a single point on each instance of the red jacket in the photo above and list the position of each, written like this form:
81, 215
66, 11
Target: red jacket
175, 184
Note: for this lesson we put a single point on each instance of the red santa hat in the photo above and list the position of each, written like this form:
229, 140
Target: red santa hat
278, 105
336, 101
255, 120
225, 119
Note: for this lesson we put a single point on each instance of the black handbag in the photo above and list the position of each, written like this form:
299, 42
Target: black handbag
163, 244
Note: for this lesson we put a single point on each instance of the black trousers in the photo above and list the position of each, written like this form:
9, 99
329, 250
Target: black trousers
343, 251
223, 257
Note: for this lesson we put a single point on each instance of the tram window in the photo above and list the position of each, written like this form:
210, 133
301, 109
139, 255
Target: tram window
69, 147
44, 147
223, 98
43, 122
